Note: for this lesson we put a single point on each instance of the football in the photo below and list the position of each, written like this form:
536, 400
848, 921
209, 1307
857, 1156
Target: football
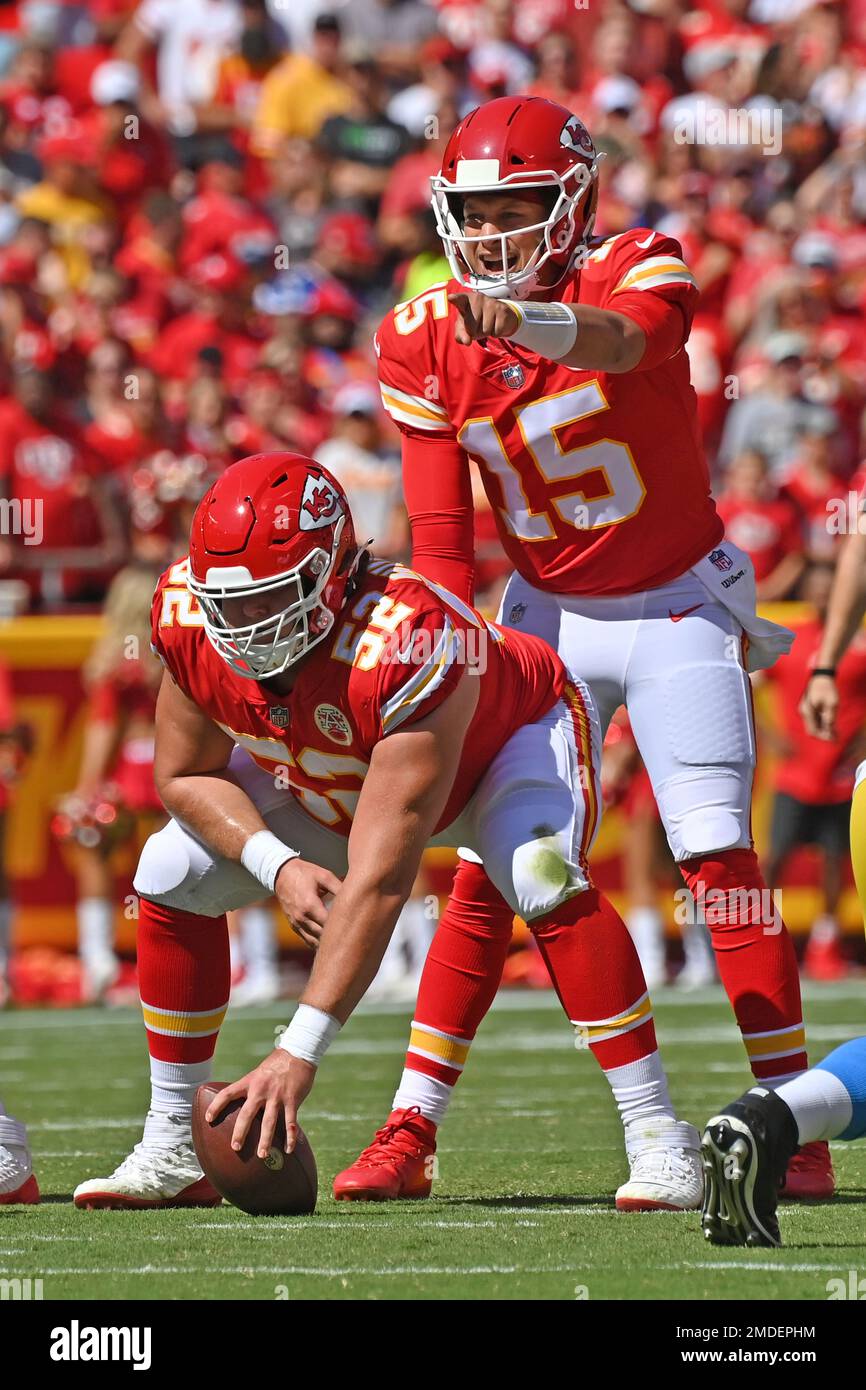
280, 1185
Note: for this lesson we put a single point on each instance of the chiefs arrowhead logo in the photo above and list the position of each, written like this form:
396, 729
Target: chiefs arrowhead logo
575, 136
320, 505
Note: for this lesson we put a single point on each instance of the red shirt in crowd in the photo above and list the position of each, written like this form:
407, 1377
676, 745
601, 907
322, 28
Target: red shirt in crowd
767, 530
820, 771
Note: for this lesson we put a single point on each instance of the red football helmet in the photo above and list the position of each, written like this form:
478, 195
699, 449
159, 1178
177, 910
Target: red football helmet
519, 142
273, 533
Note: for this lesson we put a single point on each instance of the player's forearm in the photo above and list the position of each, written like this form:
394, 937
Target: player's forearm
215, 809
847, 602
605, 342
580, 336
360, 925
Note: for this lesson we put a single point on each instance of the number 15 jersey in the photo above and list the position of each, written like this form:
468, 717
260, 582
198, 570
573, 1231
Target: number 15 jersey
597, 479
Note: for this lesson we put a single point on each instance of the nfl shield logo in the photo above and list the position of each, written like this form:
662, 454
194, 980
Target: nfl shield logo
513, 376
517, 614
279, 716
720, 560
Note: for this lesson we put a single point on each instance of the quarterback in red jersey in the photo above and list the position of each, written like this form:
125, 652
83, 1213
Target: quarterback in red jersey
322, 718
557, 362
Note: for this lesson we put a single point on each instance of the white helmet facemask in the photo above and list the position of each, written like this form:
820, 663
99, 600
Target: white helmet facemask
265, 648
554, 232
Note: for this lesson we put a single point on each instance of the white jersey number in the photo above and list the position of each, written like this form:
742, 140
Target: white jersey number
540, 424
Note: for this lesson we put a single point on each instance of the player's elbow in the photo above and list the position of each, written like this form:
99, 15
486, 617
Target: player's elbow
627, 345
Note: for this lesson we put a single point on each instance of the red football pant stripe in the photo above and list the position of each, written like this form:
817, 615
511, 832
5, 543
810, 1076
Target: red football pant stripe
184, 981
583, 741
755, 958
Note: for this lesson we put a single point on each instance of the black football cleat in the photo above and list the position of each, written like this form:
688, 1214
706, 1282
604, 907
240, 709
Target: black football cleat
745, 1153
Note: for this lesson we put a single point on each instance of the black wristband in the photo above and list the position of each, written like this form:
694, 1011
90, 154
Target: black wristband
823, 671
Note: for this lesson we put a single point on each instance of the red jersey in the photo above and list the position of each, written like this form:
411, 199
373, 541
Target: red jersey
597, 479
816, 770
397, 651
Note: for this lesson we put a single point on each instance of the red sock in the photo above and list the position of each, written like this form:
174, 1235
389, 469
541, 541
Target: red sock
597, 974
184, 981
461, 975
755, 957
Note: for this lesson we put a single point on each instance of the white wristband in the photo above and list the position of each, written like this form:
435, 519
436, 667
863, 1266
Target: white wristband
264, 855
310, 1034
548, 329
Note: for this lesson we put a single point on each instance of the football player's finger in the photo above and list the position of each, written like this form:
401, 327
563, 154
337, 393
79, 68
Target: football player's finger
245, 1117
225, 1096
328, 882
315, 913
290, 1113
466, 328
269, 1126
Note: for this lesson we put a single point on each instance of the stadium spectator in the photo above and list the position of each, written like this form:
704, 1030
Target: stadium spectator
814, 483
302, 91
68, 199
814, 778
764, 523
362, 143
368, 469
188, 42
66, 528
771, 418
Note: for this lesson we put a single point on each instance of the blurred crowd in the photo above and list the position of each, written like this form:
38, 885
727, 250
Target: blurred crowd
207, 205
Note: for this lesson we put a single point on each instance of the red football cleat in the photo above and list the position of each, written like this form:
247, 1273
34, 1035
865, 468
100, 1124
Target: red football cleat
398, 1163
25, 1195
810, 1174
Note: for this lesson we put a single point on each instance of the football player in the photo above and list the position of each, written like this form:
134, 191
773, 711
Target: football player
748, 1145
557, 362
17, 1179
322, 717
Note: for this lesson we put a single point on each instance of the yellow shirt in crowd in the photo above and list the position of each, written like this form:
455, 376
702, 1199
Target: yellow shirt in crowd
296, 99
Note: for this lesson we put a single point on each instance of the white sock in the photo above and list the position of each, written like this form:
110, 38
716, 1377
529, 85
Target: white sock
697, 946
640, 1090
824, 929
648, 934
431, 1096
419, 930
172, 1087
5, 934
95, 918
258, 941
819, 1103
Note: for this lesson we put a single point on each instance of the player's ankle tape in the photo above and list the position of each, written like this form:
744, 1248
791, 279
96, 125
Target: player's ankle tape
264, 855
310, 1034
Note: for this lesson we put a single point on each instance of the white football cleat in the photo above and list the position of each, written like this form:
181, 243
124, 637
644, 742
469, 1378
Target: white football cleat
17, 1183
261, 987
151, 1177
98, 973
666, 1171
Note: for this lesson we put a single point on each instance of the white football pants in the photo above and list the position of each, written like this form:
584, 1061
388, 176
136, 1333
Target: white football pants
673, 656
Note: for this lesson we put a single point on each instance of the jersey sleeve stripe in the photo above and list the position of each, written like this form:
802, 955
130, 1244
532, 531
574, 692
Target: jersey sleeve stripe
424, 682
658, 270
413, 410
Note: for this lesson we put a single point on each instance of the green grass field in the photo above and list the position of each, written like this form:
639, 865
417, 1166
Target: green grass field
529, 1160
